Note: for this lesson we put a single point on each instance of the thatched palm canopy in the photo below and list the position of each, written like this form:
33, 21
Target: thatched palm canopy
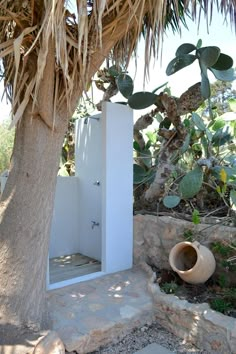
29, 29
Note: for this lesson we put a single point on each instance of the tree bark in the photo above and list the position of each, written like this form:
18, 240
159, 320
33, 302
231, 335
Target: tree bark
188, 102
27, 202
26, 212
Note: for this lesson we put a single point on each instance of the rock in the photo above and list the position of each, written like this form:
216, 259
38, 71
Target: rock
50, 344
154, 237
144, 328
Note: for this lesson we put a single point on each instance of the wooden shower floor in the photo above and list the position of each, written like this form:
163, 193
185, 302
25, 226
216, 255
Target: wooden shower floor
71, 266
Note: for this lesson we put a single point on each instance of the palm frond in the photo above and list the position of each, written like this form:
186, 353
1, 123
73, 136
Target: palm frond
32, 29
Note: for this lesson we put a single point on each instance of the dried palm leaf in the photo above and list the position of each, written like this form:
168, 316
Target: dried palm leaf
30, 29
23, 103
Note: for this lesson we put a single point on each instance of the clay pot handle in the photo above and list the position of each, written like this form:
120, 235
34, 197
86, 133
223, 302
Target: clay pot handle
197, 244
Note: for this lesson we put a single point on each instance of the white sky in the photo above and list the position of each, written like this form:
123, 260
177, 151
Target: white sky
220, 34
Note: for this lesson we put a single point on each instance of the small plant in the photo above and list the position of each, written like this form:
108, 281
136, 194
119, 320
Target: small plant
195, 217
188, 235
231, 292
229, 264
169, 288
67, 163
221, 305
224, 252
223, 281
192, 234
223, 248
67, 160
6, 145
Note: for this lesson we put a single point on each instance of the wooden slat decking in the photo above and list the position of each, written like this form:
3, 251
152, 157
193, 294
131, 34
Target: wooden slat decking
71, 266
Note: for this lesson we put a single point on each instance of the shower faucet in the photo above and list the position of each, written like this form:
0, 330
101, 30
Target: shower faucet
97, 183
94, 223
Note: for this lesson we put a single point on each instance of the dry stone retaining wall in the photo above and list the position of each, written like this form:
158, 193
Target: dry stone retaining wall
197, 323
155, 236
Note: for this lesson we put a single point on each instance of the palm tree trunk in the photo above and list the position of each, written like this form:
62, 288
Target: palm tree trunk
26, 212
27, 202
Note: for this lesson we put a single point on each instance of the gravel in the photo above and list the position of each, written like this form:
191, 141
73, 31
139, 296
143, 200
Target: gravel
141, 337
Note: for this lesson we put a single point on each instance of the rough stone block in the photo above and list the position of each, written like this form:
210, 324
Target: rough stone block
154, 237
50, 344
196, 323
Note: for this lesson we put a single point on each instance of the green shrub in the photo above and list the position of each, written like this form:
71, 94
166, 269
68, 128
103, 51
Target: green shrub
6, 145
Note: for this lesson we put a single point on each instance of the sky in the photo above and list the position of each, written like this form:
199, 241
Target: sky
220, 34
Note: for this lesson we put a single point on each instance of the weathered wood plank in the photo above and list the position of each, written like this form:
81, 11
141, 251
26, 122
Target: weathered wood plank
71, 266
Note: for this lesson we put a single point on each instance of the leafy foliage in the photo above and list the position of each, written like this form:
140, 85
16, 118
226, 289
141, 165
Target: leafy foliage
90, 27
204, 153
141, 100
221, 305
125, 85
169, 288
180, 62
210, 58
6, 145
205, 164
191, 183
67, 160
144, 171
171, 201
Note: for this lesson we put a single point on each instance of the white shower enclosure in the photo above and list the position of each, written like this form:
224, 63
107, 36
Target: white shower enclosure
93, 211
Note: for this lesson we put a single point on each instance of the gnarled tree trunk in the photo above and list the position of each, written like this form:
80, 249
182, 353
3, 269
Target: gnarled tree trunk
27, 202
40, 40
27, 205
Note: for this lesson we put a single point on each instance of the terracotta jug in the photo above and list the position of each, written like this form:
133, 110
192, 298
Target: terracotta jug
193, 262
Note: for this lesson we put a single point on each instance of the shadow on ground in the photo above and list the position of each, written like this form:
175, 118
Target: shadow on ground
13, 341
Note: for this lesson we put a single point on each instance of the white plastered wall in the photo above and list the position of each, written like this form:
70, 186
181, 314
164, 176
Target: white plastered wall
93, 212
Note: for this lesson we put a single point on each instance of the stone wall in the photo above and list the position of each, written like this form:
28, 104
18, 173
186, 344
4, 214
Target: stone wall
155, 236
195, 323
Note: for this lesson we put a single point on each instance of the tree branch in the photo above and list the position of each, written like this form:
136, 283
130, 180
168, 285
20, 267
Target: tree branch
173, 139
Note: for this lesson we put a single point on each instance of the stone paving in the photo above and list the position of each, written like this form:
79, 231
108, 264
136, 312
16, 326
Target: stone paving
96, 312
